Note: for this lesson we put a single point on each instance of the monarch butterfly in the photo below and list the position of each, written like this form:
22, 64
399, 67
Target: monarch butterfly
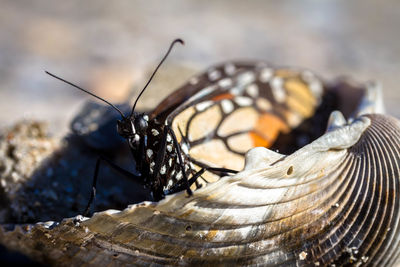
202, 131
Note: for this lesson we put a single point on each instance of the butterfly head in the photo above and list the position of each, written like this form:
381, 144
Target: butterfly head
133, 127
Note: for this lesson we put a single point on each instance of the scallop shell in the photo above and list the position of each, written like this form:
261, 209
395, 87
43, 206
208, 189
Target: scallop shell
333, 202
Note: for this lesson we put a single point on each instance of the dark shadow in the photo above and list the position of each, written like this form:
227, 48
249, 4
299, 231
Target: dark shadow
13, 258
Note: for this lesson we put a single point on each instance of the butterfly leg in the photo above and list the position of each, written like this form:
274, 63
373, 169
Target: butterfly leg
218, 171
221, 171
180, 186
96, 173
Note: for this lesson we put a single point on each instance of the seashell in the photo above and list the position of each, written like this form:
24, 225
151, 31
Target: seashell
332, 202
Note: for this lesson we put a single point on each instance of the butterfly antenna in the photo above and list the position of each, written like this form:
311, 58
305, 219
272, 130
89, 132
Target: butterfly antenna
80, 88
154, 72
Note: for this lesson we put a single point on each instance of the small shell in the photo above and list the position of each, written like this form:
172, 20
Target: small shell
334, 201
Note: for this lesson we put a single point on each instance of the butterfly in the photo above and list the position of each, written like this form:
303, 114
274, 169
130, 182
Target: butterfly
202, 130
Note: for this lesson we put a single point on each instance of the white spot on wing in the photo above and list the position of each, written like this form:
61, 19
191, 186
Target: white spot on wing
236, 90
169, 138
225, 83
277, 89
146, 118
263, 104
203, 105
227, 106
313, 82
243, 101
266, 75
229, 69
154, 132
179, 175
214, 74
316, 88
246, 78
252, 90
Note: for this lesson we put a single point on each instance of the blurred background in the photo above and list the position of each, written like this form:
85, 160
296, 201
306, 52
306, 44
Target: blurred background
109, 47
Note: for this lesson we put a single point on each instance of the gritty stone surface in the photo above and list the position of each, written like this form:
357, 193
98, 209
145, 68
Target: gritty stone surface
23, 148
46, 178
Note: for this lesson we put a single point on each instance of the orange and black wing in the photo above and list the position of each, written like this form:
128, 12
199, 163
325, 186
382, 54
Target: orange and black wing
221, 114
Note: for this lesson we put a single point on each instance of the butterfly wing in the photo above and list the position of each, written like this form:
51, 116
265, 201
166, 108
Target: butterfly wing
221, 114
173, 102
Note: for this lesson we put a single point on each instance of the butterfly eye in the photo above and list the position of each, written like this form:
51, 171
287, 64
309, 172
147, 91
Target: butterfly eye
141, 124
125, 129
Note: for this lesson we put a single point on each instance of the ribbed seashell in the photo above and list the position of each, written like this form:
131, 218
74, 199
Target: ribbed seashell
333, 202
